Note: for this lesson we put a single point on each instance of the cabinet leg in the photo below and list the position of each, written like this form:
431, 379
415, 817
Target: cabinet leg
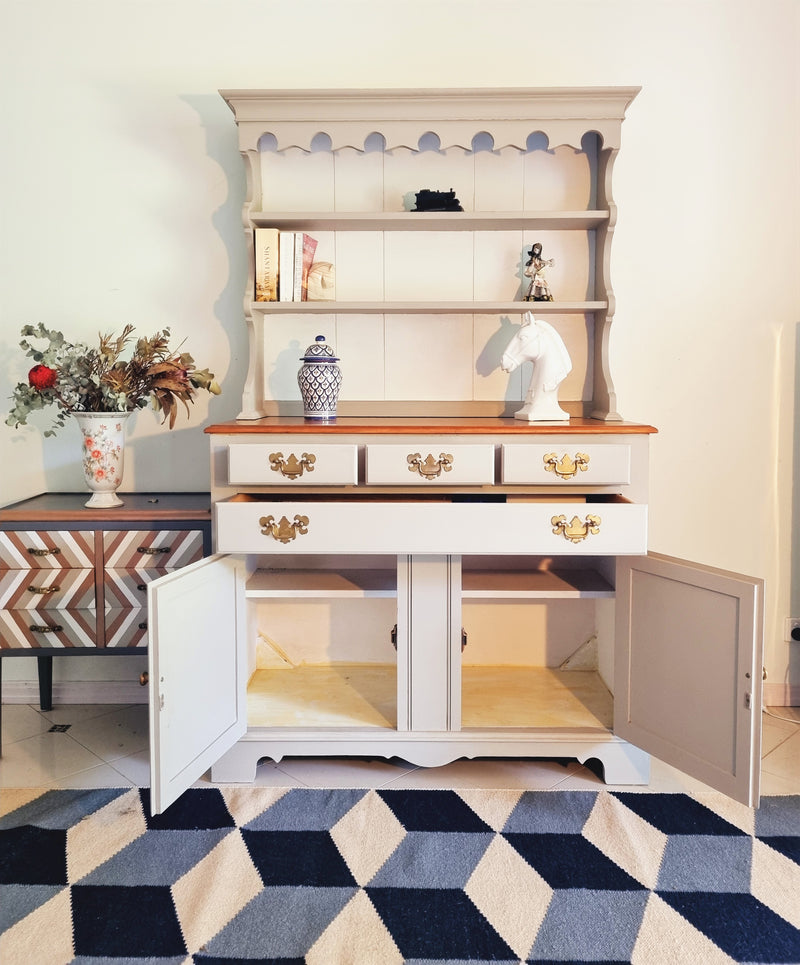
45, 682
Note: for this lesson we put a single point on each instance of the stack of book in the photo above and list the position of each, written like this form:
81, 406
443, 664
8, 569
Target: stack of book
283, 260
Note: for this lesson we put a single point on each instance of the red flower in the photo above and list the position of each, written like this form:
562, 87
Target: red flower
42, 377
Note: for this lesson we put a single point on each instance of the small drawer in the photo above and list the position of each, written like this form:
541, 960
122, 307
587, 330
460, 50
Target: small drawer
47, 589
574, 466
292, 463
126, 628
48, 629
428, 463
46, 550
144, 549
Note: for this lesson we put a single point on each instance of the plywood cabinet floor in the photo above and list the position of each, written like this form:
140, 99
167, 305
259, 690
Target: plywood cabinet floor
353, 696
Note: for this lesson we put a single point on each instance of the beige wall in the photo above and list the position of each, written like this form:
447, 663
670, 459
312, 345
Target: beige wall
123, 186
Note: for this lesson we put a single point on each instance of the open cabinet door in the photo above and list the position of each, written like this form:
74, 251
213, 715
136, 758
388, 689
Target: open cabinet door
687, 672
198, 672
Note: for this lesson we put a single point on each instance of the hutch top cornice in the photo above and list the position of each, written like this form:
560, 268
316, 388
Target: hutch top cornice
509, 115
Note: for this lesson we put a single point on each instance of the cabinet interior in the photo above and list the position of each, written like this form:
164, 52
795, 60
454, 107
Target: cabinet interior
531, 645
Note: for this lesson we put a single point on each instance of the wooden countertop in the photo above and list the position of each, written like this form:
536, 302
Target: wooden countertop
136, 507
425, 426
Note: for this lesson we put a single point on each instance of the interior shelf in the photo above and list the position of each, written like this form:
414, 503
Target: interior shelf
316, 584
429, 220
534, 585
427, 308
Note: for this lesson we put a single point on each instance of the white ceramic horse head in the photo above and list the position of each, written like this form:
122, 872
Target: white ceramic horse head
540, 343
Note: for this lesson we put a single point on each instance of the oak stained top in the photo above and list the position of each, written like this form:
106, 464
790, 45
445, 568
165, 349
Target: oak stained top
476, 425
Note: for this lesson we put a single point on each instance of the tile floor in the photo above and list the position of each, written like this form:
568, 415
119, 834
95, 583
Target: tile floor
107, 746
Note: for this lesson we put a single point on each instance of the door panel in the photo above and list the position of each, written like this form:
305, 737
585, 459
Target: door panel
198, 672
688, 669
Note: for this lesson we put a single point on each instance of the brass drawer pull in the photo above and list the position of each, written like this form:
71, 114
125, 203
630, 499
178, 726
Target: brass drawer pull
39, 628
429, 468
575, 531
566, 467
141, 586
43, 589
143, 626
153, 550
283, 531
144, 678
46, 552
292, 467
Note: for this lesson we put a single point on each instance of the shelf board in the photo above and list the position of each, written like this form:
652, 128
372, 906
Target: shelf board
382, 583
534, 585
427, 308
322, 584
428, 220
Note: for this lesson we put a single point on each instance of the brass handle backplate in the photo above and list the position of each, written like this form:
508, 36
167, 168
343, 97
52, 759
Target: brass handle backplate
43, 589
46, 552
566, 467
39, 628
292, 467
429, 468
152, 550
283, 531
575, 530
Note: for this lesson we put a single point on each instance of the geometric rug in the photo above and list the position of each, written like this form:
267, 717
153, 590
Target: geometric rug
383, 877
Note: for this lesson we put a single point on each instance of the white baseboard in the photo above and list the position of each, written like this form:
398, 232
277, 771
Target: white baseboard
131, 692
781, 695
77, 692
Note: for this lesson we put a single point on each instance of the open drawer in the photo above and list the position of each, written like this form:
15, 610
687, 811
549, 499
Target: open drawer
259, 523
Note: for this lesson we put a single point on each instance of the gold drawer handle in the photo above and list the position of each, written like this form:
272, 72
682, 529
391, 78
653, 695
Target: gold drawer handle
38, 628
575, 531
43, 589
47, 552
283, 531
144, 678
153, 550
429, 468
292, 467
566, 467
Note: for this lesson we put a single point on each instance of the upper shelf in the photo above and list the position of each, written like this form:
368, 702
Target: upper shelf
429, 220
426, 308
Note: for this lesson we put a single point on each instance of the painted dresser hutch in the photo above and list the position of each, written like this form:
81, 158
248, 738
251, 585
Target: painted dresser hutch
427, 577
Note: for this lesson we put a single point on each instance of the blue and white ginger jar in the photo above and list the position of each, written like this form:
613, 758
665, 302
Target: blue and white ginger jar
319, 379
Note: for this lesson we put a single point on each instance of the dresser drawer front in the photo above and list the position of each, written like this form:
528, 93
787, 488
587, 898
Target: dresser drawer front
126, 628
431, 526
46, 550
575, 466
425, 463
292, 463
48, 629
151, 549
47, 589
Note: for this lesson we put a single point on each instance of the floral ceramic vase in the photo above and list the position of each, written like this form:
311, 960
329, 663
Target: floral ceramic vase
103, 454
319, 379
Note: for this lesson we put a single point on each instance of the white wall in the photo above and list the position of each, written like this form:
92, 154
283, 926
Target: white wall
123, 185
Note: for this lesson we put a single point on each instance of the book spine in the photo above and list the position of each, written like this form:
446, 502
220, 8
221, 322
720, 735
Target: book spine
266, 258
297, 295
286, 270
309, 250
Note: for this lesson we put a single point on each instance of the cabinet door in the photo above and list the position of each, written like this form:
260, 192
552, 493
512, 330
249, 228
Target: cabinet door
688, 669
198, 672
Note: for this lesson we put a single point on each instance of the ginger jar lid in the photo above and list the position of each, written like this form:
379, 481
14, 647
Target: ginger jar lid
318, 351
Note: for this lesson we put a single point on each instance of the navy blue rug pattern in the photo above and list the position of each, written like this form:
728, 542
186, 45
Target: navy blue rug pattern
378, 877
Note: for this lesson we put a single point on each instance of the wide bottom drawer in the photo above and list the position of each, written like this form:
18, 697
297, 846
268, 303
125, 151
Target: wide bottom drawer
255, 524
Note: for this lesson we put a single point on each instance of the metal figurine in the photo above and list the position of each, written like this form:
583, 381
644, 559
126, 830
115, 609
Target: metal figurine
538, 290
